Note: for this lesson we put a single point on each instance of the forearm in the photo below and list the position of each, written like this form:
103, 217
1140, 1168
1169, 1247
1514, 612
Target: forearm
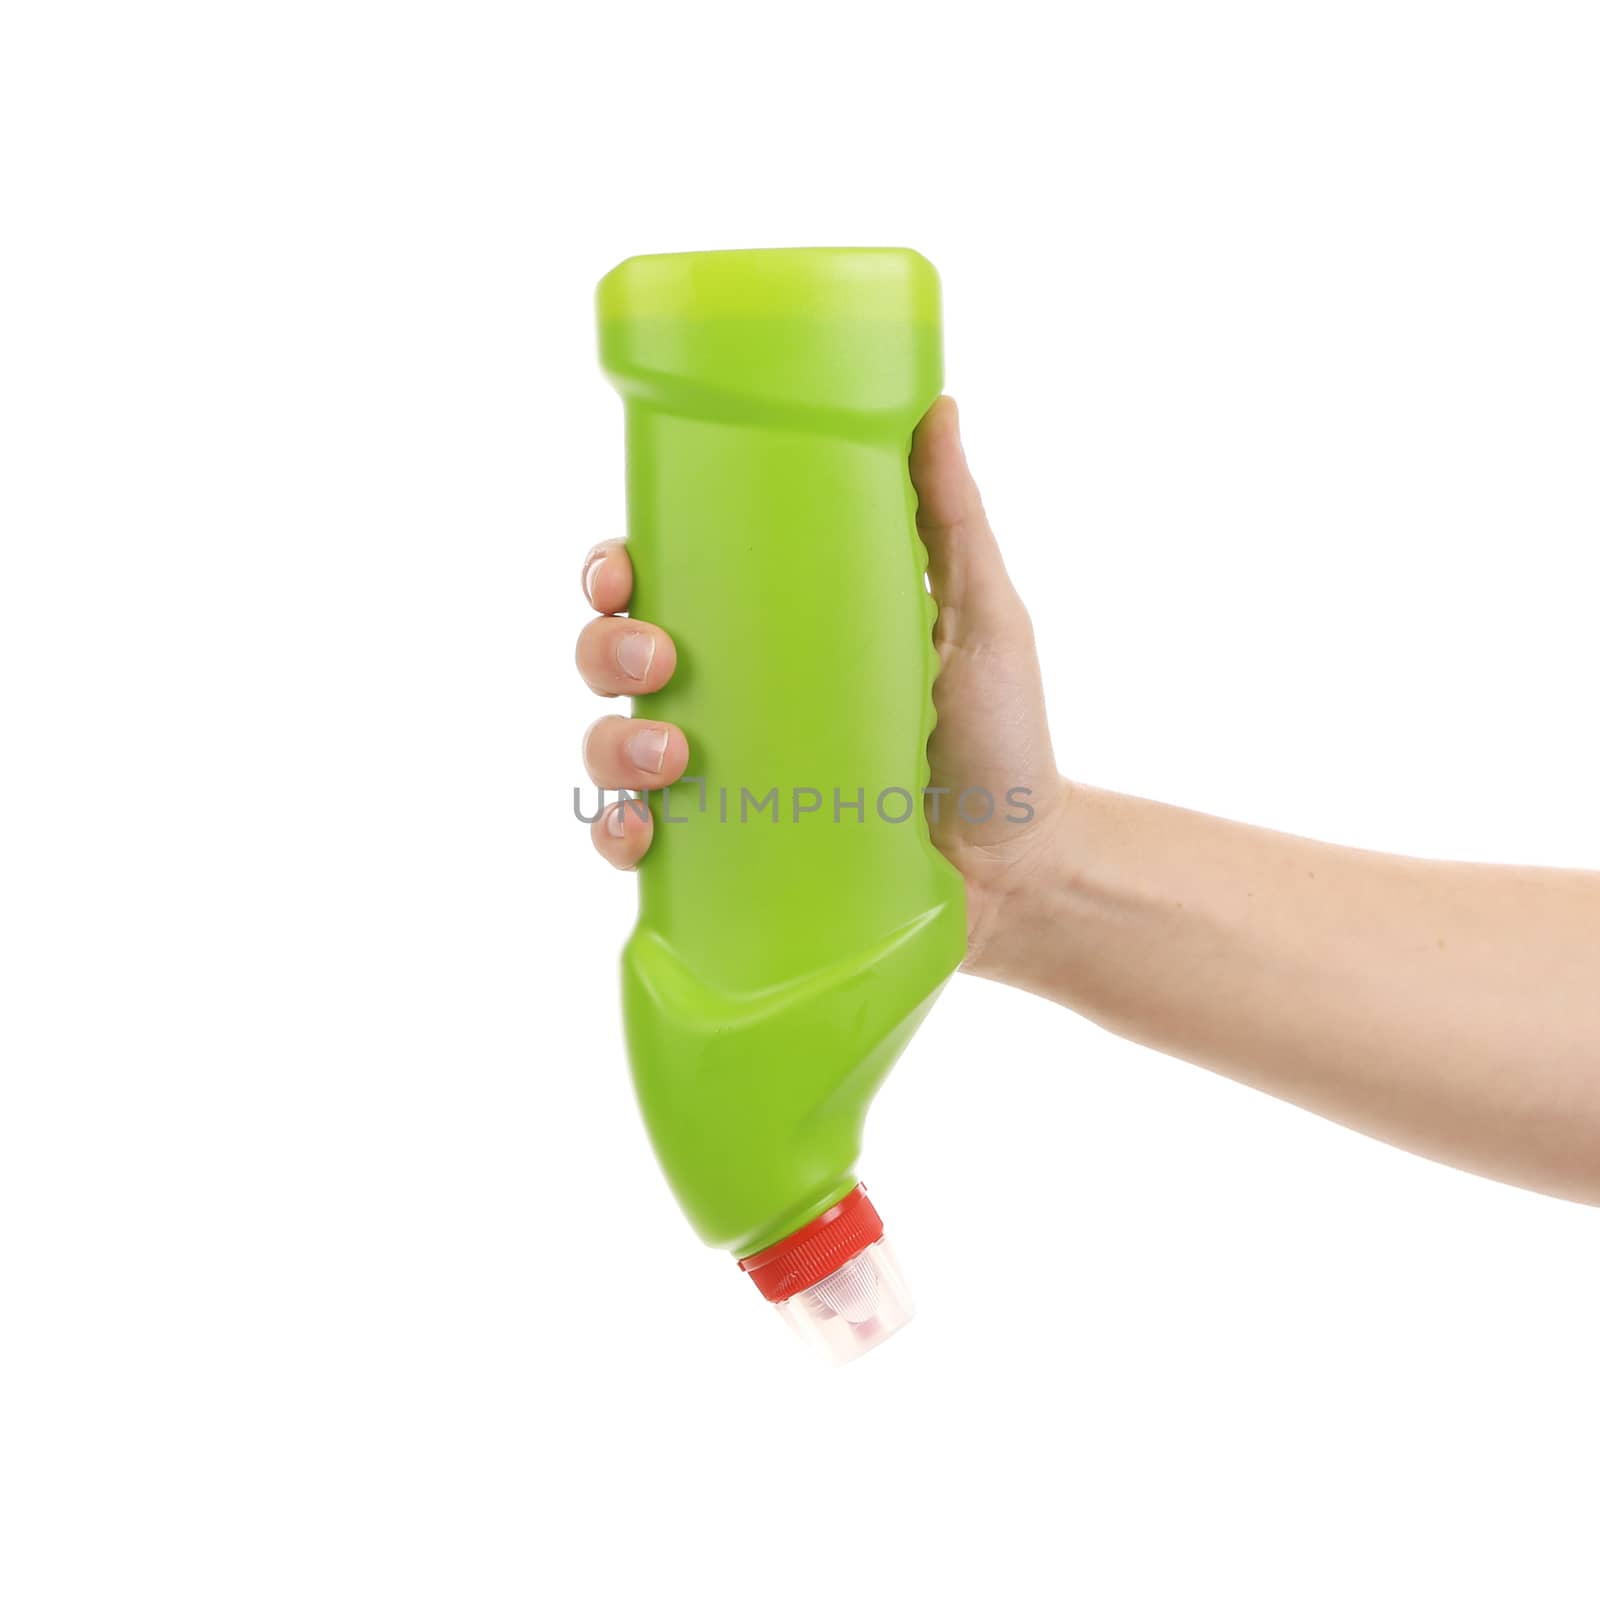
1448, 1008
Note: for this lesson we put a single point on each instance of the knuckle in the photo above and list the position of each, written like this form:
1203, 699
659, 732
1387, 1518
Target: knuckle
594, 742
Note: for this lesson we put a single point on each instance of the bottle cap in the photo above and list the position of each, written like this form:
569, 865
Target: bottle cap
836, 1281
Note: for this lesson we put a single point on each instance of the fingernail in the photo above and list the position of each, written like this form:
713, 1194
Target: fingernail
635, 652
647, 749
591, 566
615, 821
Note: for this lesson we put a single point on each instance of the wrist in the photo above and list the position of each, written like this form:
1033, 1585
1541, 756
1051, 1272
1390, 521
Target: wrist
1013, 893
1078, 891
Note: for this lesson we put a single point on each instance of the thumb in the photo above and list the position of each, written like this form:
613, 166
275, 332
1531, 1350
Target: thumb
965, 569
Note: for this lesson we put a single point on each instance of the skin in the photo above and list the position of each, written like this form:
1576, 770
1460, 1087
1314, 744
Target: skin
1452, 1009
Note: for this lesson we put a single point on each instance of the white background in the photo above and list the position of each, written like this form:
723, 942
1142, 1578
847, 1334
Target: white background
333, 1260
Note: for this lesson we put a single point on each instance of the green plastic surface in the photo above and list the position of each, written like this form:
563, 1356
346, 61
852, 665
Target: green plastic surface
785, 955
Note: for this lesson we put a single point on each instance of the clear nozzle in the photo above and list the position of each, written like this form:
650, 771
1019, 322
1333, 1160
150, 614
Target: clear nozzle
853, 1309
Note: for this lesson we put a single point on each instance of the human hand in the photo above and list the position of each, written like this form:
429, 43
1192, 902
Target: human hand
991, 734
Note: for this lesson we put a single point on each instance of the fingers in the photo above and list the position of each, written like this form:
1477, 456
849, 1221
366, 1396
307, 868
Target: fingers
623, 656
965, 569
947, 496
629, 753
619, 656
608, 577
621, 832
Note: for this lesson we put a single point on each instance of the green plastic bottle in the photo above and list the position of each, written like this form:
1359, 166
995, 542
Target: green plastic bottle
795, 920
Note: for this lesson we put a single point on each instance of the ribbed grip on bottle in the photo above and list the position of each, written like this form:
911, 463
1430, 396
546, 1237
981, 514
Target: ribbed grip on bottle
821, 1247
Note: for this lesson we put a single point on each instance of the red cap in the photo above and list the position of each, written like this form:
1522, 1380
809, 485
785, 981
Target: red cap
822, 1246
